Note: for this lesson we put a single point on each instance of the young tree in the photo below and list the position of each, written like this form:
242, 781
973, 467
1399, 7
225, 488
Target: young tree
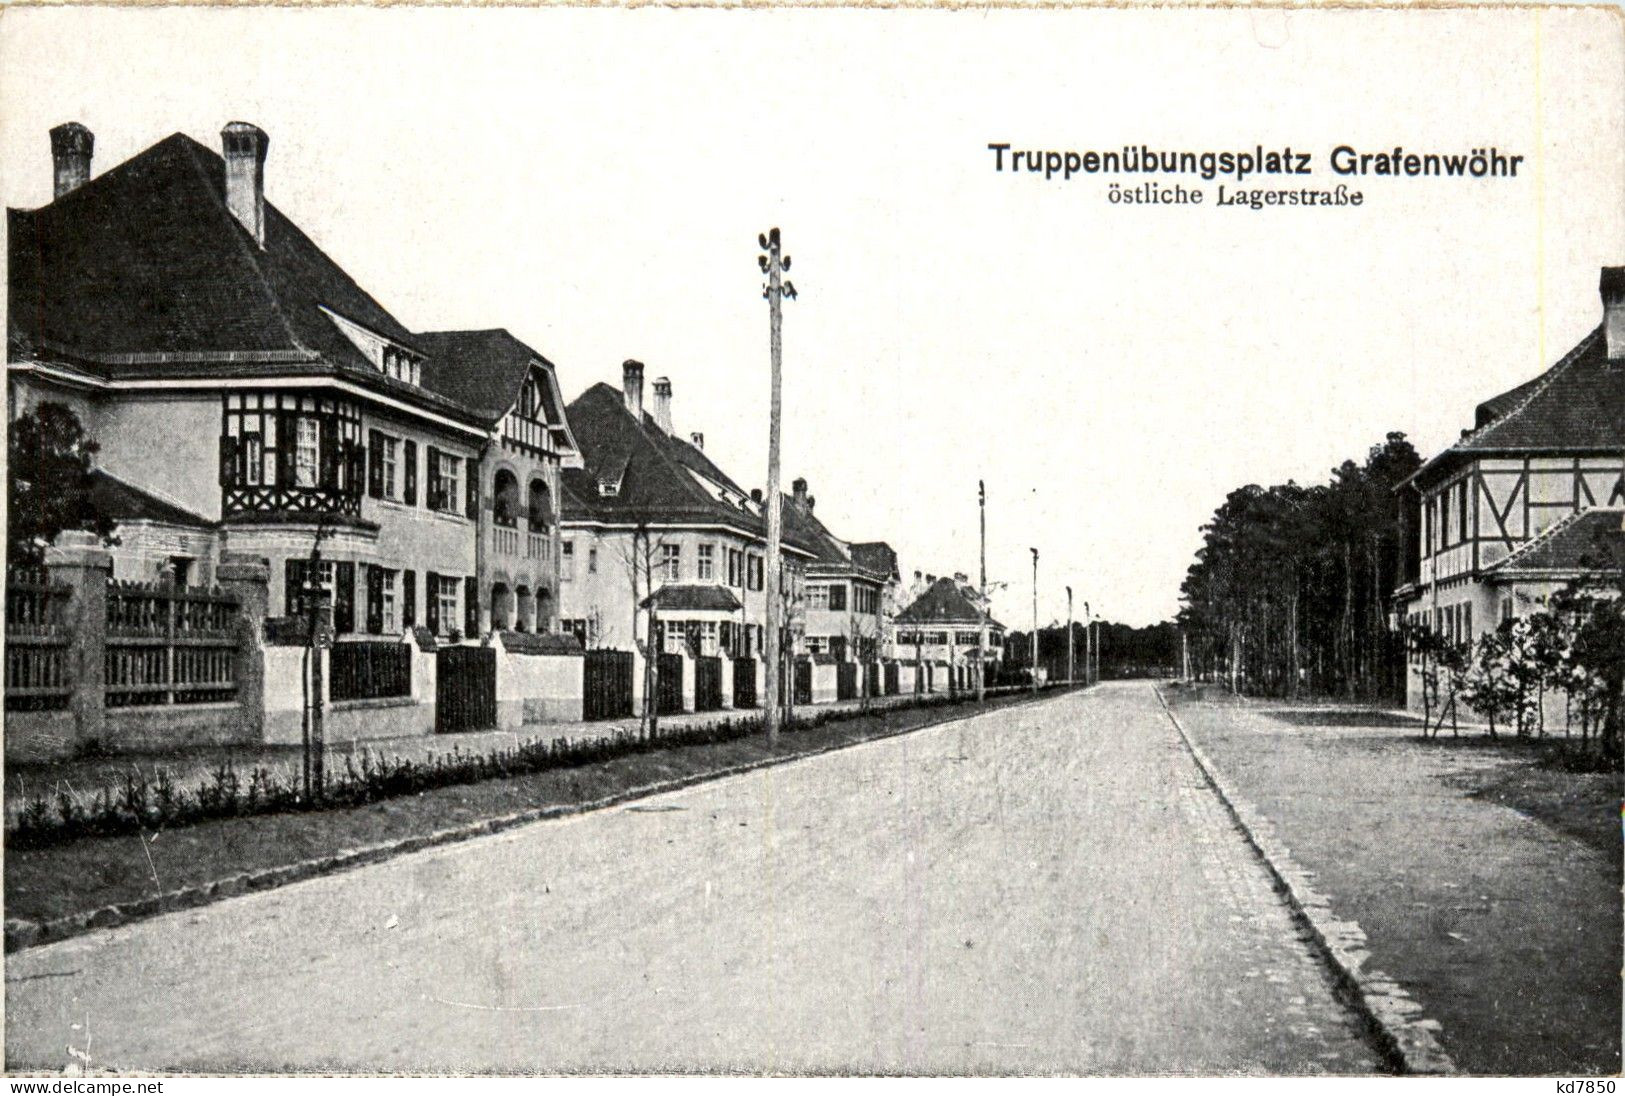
48, 485
637, 554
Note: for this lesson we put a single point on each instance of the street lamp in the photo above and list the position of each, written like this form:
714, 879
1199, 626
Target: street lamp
1035, 619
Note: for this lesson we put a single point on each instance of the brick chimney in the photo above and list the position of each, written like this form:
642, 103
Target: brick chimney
698, 439
71, 147
798, 490
1613, 311
632, 387
244, 147
662, 411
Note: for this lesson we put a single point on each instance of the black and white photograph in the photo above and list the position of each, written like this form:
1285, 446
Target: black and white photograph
834, 542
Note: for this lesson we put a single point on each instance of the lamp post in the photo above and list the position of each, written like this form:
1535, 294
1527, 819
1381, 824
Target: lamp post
774, 263
1069, 657
1035, 620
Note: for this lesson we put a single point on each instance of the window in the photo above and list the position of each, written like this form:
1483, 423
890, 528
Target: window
736, 568
382, 615
384, 479
296, 576
753, 570
705, 565
1506, 608
567, 561
592, 559
970, 639
818, 597
1444, 519
445, 473
1461, 511
671, 562
307, 451
445, 596
837, 596
815, 645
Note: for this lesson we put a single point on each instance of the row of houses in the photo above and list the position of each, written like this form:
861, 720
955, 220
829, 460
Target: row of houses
252, 401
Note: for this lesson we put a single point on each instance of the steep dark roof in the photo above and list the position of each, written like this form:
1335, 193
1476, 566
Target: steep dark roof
1566, 546
145, 263
652, 469
123, 501
876, 557
1576, 406
480, 369
943, 602
693, 597
802, 526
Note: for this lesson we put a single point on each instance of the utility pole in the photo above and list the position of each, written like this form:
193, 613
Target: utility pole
1069, 662
981, 639
1035, 620
773, 263
1088, 619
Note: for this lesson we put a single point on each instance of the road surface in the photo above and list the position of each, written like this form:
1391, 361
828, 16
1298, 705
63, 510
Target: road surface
1046, 889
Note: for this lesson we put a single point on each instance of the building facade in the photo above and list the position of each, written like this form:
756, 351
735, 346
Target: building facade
1507, 515
646, 516
248, 396
845, 600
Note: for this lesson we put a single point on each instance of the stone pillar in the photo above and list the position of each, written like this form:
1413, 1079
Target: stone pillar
79, 560
249, 577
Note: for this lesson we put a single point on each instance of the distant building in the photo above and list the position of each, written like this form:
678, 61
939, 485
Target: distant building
943, 624
1497, 522
845, 600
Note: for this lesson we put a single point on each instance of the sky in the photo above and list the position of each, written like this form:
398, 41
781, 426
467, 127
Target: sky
594, 181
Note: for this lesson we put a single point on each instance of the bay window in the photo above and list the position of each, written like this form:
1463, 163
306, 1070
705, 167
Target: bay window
290, 451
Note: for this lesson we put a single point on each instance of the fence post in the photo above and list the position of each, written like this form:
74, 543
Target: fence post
249, 577
79, 561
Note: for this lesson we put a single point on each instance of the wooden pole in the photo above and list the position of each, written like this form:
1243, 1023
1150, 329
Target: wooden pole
1069, 642
981, 639
773, 265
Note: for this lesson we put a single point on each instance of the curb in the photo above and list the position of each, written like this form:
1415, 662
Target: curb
1407, 1038
20, 934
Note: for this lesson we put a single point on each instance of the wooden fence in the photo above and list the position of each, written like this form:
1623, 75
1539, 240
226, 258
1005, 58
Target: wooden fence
39, 674
368, 670
170, 644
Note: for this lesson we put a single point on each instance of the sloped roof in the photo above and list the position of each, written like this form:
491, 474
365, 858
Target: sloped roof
653, 470
805, 528
123, 501
693, 597
876, 557
1576, 406
943, 602
1565, 547
144, 264
481, 369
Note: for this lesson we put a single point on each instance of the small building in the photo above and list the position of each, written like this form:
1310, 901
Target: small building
944, 624
1497, 522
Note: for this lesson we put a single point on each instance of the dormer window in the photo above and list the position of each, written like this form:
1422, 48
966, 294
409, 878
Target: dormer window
608, 490
399, 364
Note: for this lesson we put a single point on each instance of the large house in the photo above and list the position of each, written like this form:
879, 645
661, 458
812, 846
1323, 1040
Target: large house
248, 396
1504, 517
648, 515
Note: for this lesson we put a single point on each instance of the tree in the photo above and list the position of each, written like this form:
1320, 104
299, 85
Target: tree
637, 554
49, 485
1596, 600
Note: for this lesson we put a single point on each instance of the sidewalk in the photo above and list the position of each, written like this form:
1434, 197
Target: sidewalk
1505, 930
85, 776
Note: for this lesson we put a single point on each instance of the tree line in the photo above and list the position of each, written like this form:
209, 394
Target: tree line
1289, 591
1124, 651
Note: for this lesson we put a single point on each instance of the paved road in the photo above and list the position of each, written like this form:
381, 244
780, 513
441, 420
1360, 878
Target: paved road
1038, 890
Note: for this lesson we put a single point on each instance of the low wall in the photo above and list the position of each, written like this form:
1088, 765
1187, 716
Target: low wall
344, 720
537, 688
40, 736
824, 685
905, 678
